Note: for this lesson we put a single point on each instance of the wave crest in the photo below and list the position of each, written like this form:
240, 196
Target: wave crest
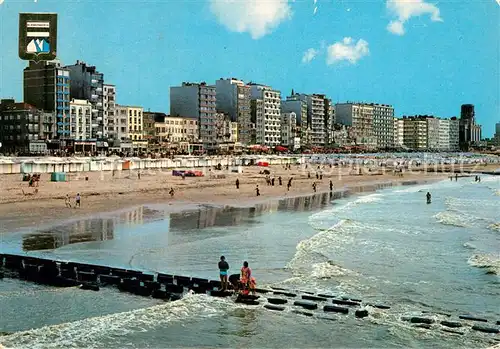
451, 218
489, 262
92, 332
311, 256
494, 226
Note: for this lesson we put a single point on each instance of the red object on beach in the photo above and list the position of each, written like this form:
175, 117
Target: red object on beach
263, 164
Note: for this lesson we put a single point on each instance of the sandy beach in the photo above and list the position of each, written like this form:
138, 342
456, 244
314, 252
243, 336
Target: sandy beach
105, 192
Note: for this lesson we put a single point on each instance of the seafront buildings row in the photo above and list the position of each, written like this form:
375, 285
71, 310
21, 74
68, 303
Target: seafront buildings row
72, 108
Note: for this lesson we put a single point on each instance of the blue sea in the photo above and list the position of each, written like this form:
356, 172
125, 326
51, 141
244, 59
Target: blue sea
388, 246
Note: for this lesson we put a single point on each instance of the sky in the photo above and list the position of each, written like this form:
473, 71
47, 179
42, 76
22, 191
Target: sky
421, 57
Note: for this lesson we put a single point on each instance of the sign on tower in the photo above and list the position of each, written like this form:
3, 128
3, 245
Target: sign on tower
38, 36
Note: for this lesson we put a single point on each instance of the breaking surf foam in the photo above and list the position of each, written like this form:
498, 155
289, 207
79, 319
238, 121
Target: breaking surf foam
94, 332
489, 262
451, 218
494, 226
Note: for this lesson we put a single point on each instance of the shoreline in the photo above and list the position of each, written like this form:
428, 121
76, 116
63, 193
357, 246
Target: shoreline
51, 212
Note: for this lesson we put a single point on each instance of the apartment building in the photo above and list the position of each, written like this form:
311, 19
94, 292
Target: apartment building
415, 132
80, 119
359, 116
135, 123
109, 99
23, 128
444, 135
175, 129
454, 134
87, 83
118, 124
289, 137
383, 125
196, 101
294, 104
317, 118
226, 130
329, 121
433, 128
233, 99
398, 132
149, 127
266, 114
318, 115
46, 86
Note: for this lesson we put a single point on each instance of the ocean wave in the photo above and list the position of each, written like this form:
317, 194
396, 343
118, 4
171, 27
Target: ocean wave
489, 262
451, 218
311, 258
412, 189
466, 203
92, 332
469, 246
494, 226
364, 199
321, 220
327, 270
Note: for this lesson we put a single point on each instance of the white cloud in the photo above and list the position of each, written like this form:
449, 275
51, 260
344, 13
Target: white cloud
256, 17
396, 27
309, 55
403, 10
347, 50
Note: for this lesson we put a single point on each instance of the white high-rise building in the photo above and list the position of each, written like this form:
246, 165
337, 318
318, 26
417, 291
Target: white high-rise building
444, 134
266, 113
80, 119
373, 123
109, 108
383, 125
398, 132
119, 131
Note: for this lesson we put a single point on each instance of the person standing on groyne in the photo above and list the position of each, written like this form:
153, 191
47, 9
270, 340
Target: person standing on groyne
223, 268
